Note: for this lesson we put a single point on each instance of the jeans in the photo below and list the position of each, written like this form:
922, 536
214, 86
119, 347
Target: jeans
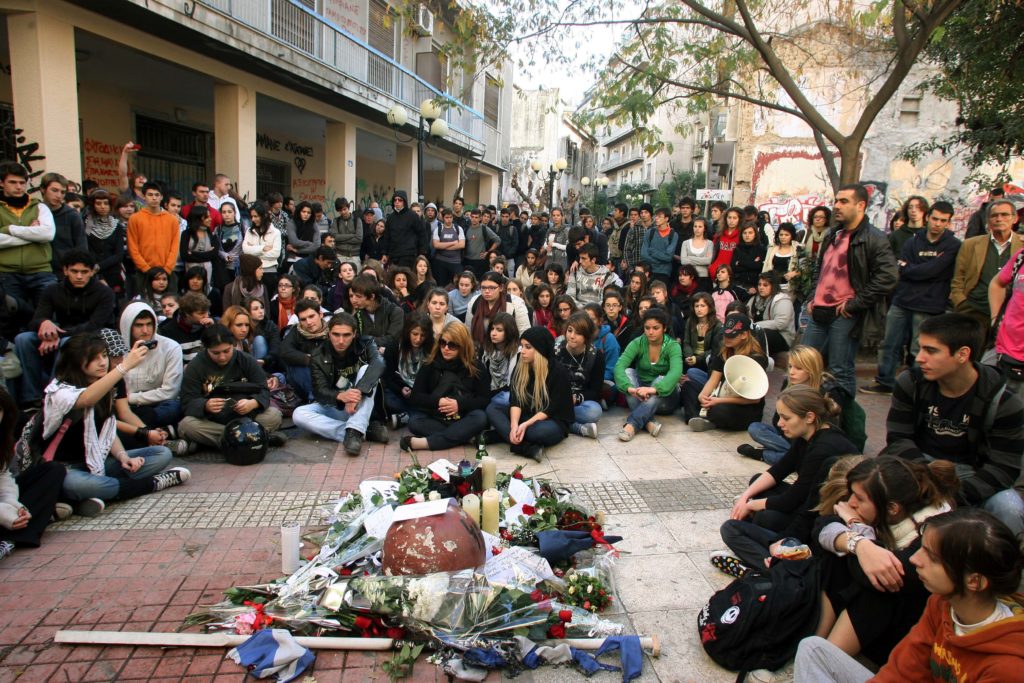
695, 381
444, 434
542, 433
395, 402
838, 347
1008, 506
331, 422
159, 414
300, 379
80, 484
775, 444
35, 368
748, 541
900, 324
260, 348
642, 412
501, 399
585, 413
819, 660
26, 288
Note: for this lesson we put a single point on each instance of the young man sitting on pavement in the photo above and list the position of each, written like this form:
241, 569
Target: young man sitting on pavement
952, 408
78, 303
153, 386
299, 344
345, 372
219, 364
187, 326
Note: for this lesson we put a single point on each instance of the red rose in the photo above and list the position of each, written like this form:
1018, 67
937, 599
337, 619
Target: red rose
463, 488
395, 633
363, 623
495, 551
435, 476
557, 632
586, 605
408, 500
345, 571
565, 615
537, 595
517, 475
528, 510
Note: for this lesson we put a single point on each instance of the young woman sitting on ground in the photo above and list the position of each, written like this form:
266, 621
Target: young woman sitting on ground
404, 362
585, 364
702, 338
540, 409
972, 628
648, 372
500, 354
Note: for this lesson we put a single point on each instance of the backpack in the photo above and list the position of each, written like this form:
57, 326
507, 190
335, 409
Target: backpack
757, 622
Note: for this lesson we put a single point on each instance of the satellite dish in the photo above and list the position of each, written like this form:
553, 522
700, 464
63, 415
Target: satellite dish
744, 377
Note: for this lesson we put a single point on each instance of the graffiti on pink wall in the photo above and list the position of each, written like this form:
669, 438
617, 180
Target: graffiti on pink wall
792, 209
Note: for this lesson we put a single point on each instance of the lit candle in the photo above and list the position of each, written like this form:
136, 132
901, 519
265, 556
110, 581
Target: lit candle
488, 471
471, 506
290, 534
599, 517
492, 500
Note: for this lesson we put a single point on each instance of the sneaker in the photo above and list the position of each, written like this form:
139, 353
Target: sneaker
727, 564
171, 477
62, 511
353, 442
752, 452
396, 420
277, 439
535, 451
179, 447
6, 548
589, 430
876, 388
377, 433
783, 675
626, 435
90, 507
172, 431
653, 428
700, 424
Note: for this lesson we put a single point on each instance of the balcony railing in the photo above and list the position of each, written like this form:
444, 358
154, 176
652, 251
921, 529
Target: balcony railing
619, 160
320, 39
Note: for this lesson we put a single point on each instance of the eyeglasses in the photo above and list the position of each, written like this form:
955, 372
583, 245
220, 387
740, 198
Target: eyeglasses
446, 344
489, 288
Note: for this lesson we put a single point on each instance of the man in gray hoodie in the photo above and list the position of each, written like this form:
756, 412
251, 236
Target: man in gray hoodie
348, 234
586, 284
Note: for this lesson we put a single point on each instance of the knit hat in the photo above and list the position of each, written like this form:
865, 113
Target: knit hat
540, 339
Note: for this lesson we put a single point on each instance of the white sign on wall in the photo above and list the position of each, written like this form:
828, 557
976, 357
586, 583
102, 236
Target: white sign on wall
714, 196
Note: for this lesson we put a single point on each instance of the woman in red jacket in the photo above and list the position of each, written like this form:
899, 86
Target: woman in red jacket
972, 629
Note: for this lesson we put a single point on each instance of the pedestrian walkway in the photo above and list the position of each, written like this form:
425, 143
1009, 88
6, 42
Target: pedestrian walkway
144, 565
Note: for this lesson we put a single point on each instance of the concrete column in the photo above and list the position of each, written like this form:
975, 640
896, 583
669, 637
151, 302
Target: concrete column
488, 188
405, 171
340, 171
451, 182
45, 90
234, 133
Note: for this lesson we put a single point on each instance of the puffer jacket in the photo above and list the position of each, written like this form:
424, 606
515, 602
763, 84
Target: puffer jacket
403, 235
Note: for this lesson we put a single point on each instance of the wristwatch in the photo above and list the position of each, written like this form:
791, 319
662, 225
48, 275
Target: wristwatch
851, 543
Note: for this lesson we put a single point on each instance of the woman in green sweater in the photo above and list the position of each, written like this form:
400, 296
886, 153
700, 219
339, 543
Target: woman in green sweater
648, 373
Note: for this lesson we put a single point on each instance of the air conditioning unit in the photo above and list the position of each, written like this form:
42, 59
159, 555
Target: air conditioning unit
424, 24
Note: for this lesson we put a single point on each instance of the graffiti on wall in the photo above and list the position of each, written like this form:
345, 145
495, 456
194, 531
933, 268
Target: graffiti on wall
309, 189
26, 152
348, 15
101, 162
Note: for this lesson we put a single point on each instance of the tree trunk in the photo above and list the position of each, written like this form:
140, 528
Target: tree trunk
849, 164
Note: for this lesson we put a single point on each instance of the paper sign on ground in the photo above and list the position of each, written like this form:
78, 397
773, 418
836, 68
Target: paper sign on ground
513, 514
517, 565
416, 510
441, 468
521, 493
369, 487
378, 522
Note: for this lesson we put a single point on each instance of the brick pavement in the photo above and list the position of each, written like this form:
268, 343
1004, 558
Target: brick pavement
148, 579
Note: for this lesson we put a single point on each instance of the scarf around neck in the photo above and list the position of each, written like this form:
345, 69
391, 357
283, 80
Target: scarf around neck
100, 227
483, 313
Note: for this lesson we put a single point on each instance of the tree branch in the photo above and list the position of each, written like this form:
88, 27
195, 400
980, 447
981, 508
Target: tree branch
899, 25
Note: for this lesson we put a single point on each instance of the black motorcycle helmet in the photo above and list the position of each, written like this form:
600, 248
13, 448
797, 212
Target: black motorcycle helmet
244, 442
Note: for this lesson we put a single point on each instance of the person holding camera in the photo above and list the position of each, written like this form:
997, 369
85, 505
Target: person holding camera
221, 384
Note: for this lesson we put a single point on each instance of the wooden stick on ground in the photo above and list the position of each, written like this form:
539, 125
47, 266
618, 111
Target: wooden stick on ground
150, 639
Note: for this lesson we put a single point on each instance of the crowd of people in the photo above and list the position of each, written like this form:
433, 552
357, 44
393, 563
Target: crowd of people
138, 326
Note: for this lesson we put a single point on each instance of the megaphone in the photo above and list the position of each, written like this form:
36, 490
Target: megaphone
744, 377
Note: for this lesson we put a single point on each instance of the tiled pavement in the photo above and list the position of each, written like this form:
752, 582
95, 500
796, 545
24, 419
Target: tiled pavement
145, 564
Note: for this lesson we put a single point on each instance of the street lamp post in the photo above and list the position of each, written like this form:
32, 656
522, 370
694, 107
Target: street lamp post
429, 126
555, 171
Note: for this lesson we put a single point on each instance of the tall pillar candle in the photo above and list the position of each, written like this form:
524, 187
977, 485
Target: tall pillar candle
471, 506
492, 500
488, 472
290, 533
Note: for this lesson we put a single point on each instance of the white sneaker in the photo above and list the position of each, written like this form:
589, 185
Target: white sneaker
783, 675
62, 511
589, 430
179, 447
700, 424
171, 477
90, 507
653, 428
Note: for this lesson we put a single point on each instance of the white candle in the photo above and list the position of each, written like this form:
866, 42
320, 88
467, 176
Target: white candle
489, 472
599, 517
490, 514
471, 506
290, 533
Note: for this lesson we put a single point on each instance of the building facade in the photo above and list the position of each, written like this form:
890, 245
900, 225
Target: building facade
281, 95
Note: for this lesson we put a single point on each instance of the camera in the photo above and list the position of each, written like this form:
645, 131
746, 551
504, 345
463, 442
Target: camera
150, 344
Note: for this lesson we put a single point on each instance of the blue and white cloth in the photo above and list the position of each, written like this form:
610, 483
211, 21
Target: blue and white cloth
273, 652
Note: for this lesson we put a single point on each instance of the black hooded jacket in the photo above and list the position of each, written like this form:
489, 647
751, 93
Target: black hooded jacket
403, 233
85, 309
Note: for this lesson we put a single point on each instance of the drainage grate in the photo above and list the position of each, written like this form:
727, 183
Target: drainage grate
661, 495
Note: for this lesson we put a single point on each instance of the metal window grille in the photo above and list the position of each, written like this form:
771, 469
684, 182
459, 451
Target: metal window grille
272, 176
381, 34
171, 153
293, 26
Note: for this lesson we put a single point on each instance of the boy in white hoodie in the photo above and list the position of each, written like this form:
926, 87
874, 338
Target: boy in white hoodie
155, 385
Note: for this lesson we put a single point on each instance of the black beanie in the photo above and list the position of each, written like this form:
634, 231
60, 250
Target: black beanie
540, 339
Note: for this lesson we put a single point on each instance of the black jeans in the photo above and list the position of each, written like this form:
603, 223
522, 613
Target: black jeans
38, 490
728, 416
443, 434
749, 541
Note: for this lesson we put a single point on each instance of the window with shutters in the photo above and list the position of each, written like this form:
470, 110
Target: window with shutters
910, 111
492, 101
381, 29
294, 26
432, 67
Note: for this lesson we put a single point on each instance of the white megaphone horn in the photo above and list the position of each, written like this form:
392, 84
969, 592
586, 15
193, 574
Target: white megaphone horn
744, 377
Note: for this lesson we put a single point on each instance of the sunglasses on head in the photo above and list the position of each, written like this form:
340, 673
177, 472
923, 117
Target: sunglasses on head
447, 344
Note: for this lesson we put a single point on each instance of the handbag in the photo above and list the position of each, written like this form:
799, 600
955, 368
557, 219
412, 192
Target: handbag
1011, 368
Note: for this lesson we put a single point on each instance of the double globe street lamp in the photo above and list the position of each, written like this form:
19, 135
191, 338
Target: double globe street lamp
430, 126
554, 172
